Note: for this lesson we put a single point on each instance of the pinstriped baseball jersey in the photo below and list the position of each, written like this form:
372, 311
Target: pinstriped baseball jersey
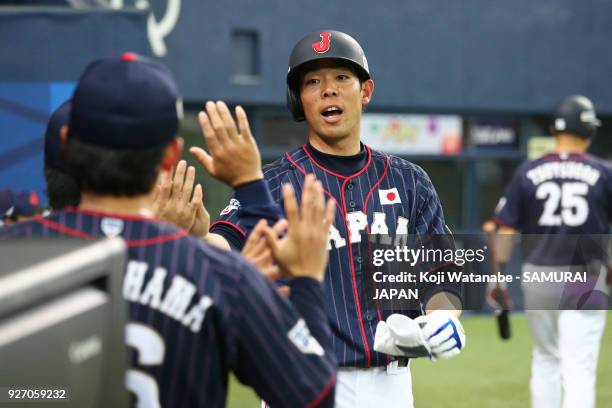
387, 195
198, 312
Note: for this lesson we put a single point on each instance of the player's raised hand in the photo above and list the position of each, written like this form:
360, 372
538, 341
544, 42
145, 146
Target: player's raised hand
302, 252
201, 222
232, 155
256, 249
175, 203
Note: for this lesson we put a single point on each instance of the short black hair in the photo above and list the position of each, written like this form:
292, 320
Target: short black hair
125, 173
315, 64
62, 189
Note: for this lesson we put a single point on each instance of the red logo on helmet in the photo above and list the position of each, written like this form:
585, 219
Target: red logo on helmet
129, 57
322, 46
34, 200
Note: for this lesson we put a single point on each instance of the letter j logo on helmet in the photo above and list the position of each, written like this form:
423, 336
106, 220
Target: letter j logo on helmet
322, 46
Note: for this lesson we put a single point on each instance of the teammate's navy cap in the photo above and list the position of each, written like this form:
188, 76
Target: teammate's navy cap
7, 202
575, 114
53, 143
129, 102
27, 203
320, 45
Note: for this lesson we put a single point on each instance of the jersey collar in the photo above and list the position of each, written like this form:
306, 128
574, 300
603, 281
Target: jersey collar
325, 169
128, 217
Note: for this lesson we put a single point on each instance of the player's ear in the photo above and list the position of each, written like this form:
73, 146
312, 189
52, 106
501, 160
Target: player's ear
367, 89
172, 153
64, 134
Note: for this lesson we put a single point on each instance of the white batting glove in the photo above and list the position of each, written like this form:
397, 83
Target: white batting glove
443, 332
400, 336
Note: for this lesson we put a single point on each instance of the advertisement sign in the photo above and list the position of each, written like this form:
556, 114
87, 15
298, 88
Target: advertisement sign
412, 134
492, 134
538, 146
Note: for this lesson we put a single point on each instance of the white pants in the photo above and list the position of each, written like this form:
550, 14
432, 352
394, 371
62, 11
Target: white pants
565, 351
378, 387
565, 342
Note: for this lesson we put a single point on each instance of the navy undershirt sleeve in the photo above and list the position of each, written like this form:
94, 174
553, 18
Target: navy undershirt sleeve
256, 203
306, 293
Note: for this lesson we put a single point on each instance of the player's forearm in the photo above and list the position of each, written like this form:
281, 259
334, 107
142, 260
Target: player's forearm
230, 233
504, 243
308, 299
256, 203
217, 240
444, 301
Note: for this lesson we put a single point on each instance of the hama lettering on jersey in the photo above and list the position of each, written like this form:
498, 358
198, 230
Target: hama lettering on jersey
558, 194
195, 313
386, 196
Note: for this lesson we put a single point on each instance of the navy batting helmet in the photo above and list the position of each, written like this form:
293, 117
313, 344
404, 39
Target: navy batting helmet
320, 45
576, 115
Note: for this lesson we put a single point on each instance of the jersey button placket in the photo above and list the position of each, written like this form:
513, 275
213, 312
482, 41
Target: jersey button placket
349, 195
351, 206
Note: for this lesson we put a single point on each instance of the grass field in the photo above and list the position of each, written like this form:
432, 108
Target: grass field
489, 373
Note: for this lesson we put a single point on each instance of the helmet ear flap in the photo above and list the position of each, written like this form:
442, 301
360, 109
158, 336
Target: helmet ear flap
295, 105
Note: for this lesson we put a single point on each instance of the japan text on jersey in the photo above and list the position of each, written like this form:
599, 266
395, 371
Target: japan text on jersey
387, 196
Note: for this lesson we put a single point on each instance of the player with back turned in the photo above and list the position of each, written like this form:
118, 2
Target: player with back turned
328, 86
562, 197
195, 312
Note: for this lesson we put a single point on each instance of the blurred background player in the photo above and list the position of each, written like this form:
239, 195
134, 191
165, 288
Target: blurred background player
195, 312
26, 205
497, 293
7, 204
562, 193
328, 86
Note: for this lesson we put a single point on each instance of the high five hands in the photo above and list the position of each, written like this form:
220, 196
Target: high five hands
233, 157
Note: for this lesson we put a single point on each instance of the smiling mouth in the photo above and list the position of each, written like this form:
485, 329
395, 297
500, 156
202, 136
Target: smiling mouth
332, 113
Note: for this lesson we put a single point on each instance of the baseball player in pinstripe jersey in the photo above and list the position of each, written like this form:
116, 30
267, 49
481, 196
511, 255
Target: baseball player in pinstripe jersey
171, 202
563, 197
195, 312
328, 85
